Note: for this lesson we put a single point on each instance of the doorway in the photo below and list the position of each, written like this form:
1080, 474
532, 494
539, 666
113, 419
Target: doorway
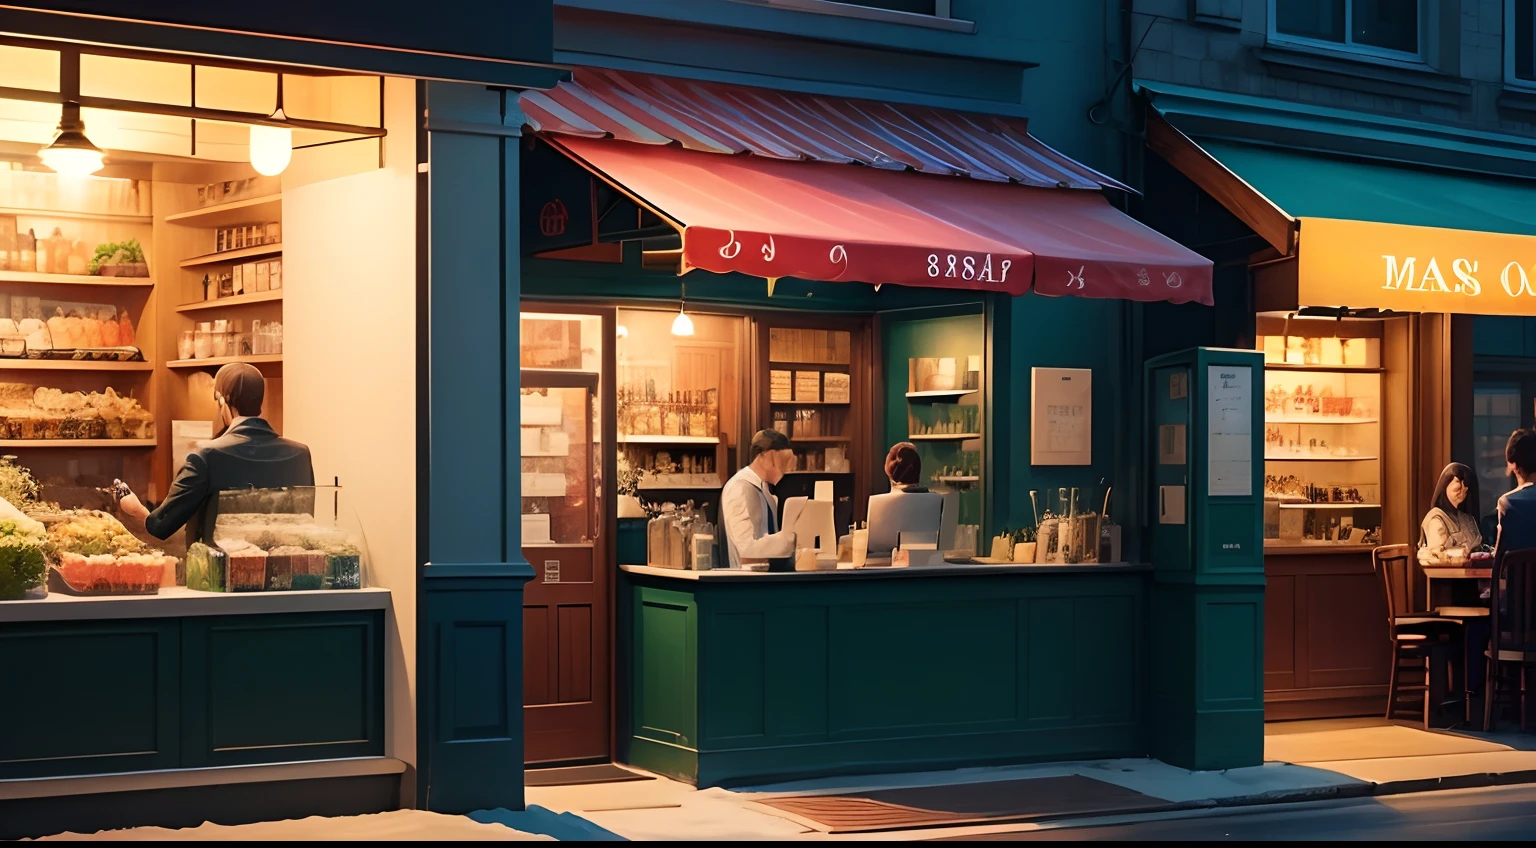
566, 533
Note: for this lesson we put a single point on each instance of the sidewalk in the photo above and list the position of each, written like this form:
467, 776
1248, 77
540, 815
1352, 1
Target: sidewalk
1309, 761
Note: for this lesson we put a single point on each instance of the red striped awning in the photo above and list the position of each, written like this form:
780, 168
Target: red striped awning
757, 182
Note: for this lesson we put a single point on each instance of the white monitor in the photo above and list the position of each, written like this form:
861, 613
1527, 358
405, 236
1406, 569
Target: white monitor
895, 513
813, 524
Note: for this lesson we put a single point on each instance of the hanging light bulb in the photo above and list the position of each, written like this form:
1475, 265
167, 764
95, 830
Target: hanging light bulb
682, 325
71, 154
272, 147
622, 332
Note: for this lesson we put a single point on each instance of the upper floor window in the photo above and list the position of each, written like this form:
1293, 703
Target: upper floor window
1520, 42
1388, 28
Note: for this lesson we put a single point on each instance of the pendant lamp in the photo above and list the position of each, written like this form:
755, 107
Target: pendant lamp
71, 154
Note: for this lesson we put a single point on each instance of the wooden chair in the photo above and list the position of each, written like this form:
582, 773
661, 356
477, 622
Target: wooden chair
1420, 640
1513, 638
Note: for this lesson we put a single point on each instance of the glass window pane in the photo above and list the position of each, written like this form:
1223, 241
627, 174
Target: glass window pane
1320, 19
1388, 24
1495, 415
1525, 39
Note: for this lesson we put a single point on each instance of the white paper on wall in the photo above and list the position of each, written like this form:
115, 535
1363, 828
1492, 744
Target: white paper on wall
1062, 416
1229, 430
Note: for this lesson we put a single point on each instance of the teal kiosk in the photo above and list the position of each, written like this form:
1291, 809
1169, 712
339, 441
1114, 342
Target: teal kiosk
1205, 520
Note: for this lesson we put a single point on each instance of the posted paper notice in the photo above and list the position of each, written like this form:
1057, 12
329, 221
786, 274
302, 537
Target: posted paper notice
1229, 417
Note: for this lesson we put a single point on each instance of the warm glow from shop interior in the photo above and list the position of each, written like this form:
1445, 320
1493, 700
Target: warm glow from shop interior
271, 149
622, 332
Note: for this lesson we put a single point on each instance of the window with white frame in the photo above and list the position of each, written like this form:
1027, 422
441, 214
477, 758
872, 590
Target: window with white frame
1520, 42
1386, 28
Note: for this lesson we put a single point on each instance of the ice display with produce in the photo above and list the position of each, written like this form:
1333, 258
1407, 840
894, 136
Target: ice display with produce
274, 540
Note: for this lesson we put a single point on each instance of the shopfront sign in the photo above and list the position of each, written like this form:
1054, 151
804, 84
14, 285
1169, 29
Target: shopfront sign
1363, 264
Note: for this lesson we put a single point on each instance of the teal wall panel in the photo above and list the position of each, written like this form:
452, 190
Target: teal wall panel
170, 693
848, 676
90, 697
798, 660
735, 705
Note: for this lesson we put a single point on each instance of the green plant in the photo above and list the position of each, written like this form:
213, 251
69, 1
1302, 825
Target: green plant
17, 484
22, 566
116, 253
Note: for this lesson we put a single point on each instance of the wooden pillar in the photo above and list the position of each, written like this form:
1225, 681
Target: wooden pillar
470, 650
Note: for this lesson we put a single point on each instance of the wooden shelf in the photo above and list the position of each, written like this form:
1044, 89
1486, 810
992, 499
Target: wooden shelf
1320, 458
77, 216
944, 437
669, 440
782, 364
809, 402
232, 255
74, 280
252, 210
1337, 420
1325, 369
1284, 547
263, 359
77, 443
976, 479
237, 300
657, 487
71, 365
787, 473
934, 395
1329, 506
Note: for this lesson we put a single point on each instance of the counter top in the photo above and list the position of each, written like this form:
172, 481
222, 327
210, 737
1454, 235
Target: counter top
947, 570
179, 601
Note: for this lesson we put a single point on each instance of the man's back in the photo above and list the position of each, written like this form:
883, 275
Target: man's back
1517, 520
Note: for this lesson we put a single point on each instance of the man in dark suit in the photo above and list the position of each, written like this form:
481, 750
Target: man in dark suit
247, 453
1517, 509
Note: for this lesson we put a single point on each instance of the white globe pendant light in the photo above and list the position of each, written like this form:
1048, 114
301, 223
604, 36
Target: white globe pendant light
71, 154
682, 325
272, 147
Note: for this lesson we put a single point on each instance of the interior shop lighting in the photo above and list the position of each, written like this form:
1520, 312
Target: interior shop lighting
272, 147
682, 325
71, 154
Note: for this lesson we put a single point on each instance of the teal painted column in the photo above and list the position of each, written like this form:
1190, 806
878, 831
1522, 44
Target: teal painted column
1205, 462
470, 638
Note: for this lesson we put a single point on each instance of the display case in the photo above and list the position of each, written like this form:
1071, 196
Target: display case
678, 404
1323, 433
276, 540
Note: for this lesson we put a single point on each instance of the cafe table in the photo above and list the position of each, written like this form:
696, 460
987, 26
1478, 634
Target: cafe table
1474, 570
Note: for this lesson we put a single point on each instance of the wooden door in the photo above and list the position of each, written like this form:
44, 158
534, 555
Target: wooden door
566, 671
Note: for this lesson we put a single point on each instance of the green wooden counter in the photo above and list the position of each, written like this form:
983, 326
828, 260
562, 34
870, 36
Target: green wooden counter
743, 678
177, 695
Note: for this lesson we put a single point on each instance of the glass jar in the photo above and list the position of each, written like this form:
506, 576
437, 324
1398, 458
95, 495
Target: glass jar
185, 345
202, 341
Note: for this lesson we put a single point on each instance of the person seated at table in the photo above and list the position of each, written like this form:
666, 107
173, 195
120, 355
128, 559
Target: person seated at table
1517, 531
1451, 523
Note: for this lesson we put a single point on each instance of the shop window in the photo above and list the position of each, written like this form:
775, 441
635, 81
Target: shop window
1387, 28
1520, 42
916, 7
1496, 406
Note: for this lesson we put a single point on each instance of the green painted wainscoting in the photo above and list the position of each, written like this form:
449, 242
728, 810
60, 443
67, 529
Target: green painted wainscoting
737, 682
98, 697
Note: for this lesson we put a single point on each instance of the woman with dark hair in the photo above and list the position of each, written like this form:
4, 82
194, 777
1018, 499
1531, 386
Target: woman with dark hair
1451, 523
904, 467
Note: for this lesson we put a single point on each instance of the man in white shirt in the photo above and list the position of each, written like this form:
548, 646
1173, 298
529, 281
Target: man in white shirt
749, 511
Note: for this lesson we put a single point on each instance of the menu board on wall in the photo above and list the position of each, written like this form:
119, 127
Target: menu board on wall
1229, 430
780, 385
837, 388
1061, 401
808, 386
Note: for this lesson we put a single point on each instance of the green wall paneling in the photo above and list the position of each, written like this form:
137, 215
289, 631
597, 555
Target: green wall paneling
800, 678
1207, 684
279, 688
90, 697
958, 332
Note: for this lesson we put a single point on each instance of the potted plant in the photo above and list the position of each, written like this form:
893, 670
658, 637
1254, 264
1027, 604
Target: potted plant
119, 259
628, 485
1024, 545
